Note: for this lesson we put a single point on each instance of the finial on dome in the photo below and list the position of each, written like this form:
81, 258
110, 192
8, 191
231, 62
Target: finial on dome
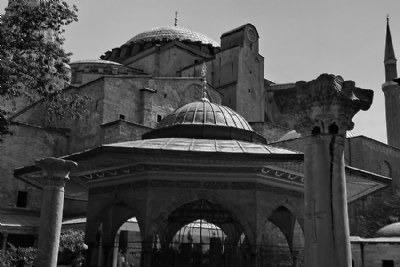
176, 19
204, 77
387, 18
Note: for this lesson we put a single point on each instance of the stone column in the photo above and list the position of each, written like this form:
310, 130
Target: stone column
325, 202
4, 243
56, 173
115, 249
322, 111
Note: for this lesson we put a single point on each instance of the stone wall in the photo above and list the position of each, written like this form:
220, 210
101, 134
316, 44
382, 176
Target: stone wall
122, 131
250, 93
21, 149
83, 131
163, 61
372, 254
368, 154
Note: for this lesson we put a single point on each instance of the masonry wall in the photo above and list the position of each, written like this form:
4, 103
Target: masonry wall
84, 131
21, 149
174, 59
250, 102
373, 254
371, 155
164, 61
122, 131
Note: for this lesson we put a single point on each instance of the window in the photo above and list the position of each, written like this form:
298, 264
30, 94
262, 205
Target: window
387, 263
22, 199
121, 117
386, 169
159, 117
165, 95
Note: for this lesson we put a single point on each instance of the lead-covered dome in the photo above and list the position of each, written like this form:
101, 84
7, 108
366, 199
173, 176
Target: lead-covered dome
169, 33
205, 112
391, 230
205, 120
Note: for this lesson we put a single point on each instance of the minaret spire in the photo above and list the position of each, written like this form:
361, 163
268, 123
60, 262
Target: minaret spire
390, 59
392, 96
176, 19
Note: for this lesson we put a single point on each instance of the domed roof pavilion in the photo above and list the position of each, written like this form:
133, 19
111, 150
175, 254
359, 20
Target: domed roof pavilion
205, 120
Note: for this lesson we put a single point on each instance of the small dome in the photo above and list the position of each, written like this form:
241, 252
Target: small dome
205, 112
205, 120
170, 33
391, 230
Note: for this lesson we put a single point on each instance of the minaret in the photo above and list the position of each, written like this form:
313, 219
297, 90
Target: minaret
392, 93
390, 59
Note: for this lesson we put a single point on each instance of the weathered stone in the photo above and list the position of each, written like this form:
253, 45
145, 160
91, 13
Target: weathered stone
55, 173
323, 110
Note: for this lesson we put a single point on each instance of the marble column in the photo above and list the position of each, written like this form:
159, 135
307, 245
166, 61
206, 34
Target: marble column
116, 249
325, 202
322, 111
55, 172
4, 243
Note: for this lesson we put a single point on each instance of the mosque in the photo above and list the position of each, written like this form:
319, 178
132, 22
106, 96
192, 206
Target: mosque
183, 132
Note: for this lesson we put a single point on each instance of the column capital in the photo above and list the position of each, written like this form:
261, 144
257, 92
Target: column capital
55, 170
325, 105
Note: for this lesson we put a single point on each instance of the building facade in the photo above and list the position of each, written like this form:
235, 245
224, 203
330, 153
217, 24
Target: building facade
133, 90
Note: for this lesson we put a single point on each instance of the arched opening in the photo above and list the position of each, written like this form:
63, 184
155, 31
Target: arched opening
201, 234
113, 236
282, 240
127, 244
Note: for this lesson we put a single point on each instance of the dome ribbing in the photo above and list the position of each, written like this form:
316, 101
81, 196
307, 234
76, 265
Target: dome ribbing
205, 120
170, 33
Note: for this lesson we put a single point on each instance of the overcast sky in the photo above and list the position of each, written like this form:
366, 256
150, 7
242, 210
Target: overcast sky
299, 39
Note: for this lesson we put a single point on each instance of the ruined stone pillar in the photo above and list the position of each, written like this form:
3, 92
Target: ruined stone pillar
325, 201
55, 174
323, 110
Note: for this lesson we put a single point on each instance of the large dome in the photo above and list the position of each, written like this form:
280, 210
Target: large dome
170, 33
205, 120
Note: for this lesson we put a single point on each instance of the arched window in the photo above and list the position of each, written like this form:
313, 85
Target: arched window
386, 169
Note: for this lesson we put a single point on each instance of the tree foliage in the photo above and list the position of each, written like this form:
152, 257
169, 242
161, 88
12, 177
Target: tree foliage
32, 57
72, 247
33, 63
71, 251
15, 257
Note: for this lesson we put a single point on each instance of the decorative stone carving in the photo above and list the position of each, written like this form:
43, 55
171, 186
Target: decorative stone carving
55, 170
322, 110
324, 105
